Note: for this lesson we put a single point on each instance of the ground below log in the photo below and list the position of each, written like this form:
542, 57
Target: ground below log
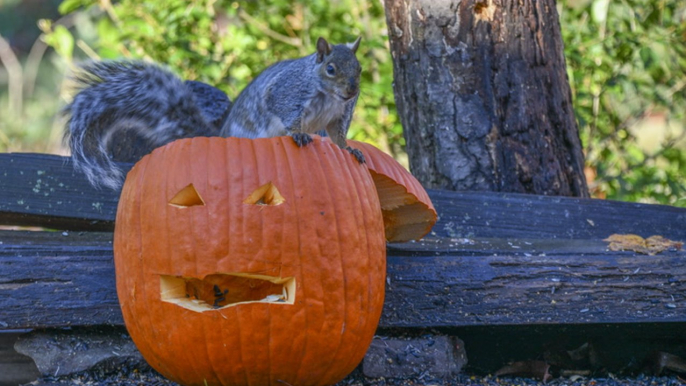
619, 358
148, 378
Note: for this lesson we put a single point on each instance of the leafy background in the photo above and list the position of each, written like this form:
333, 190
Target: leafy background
626, 64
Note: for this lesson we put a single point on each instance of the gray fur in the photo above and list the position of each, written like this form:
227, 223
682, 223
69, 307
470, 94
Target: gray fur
115, 97
292, 96
297, 96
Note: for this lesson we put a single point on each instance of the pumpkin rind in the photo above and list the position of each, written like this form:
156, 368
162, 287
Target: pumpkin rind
407, 209
327, 234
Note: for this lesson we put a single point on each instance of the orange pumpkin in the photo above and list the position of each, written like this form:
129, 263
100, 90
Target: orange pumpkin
407, 209
250, 262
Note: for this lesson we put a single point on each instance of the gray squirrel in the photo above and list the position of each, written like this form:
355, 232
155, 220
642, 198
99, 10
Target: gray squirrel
294, 97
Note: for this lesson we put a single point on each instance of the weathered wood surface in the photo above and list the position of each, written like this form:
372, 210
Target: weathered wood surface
56, 279
43, 190
504, 215
500, 281
67, 279
492, 258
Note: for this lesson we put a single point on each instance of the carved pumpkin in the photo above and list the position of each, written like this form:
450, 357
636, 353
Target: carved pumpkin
408, 212
250, 262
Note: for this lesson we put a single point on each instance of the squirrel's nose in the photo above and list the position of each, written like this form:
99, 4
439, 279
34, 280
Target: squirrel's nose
352, 86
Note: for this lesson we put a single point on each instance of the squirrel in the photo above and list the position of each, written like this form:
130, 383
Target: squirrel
296, 97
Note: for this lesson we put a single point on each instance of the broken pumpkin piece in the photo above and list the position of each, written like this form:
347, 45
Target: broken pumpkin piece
650, 246
407, 209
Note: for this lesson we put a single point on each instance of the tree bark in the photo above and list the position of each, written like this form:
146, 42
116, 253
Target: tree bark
482, 92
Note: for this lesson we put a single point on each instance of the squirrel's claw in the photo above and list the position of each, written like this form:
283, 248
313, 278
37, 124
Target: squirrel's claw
301, 139
357, 153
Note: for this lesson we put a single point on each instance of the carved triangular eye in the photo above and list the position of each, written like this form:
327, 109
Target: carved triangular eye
266, 194
186, 197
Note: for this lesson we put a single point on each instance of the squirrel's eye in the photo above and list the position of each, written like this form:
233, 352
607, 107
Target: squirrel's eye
331, 70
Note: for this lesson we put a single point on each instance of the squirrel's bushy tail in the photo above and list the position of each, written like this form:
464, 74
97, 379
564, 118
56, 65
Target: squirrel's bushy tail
115, 100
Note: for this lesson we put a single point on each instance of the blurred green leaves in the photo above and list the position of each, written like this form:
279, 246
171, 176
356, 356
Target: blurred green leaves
627, 63
227, 43
59, 38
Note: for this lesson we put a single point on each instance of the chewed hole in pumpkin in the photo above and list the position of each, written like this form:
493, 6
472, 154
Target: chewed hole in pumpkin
221, 290
186, 197
266, 194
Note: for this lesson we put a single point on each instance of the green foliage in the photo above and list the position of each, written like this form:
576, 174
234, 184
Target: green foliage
226, 44
60, 39
627, 63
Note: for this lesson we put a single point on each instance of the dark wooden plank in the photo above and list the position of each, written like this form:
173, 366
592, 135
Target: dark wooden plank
446, 283
49, 279
502, 215
56, 279
44, 190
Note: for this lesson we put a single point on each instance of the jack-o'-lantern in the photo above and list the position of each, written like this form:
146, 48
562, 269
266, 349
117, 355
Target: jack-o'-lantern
250, 262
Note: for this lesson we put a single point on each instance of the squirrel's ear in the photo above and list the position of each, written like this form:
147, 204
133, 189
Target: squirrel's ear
354, 45
323, 49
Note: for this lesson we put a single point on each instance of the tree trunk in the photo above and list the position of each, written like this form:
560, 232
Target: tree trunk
483, 95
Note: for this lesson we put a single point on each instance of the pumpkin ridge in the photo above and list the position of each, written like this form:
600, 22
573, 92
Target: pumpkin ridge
238, 311
335, 156
280, 154
197, 146
269, 308
289, 158
362, 234
148, 199
142, 289
135, 191
270, 342
161, 157
253, 180
226, 174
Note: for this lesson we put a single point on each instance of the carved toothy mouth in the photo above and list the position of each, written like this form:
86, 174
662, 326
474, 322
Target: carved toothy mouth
221, 290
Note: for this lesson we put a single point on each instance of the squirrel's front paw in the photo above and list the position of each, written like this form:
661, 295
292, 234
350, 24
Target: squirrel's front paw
357, 153
301, 139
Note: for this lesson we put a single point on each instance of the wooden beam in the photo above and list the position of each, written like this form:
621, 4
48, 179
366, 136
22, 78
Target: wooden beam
50, 279
44, 190
502, 215
515, 282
